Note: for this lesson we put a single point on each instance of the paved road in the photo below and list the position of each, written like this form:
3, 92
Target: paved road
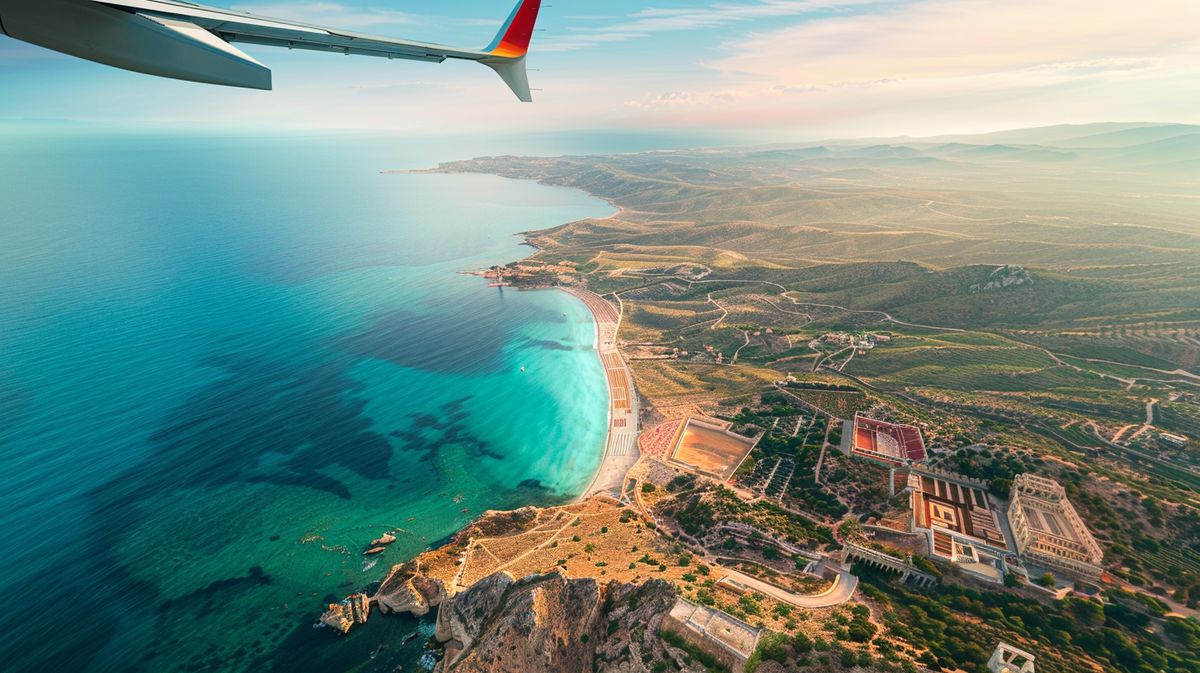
841, 591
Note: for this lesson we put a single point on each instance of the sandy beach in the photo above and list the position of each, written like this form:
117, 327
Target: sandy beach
620, 446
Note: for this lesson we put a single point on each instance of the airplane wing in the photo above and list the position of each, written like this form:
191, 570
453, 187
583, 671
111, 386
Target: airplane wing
181, 40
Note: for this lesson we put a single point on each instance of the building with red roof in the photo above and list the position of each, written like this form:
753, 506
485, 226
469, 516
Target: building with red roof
889, 443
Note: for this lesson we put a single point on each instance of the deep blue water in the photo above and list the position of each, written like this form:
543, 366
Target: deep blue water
226, 364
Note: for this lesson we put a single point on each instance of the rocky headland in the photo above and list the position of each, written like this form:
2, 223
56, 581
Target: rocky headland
541, 621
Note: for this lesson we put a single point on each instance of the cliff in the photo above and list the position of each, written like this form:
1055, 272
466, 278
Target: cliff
555, 590
553, 624
407, 590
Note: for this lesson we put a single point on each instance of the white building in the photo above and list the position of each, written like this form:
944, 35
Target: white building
1048, 530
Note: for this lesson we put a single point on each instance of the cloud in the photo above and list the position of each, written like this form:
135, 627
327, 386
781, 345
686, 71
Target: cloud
935, 39
1101, 65
777, 68
948, 64
650, 21
740, 96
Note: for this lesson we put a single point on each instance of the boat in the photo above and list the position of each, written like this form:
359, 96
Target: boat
522, 370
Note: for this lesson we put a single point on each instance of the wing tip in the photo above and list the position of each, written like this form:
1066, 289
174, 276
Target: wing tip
512, 71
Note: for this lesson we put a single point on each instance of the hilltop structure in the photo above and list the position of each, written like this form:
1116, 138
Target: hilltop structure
892, 444
1048, 530
1008, 659
730, 640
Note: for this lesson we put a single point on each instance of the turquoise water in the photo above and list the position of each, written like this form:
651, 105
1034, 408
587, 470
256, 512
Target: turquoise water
227, 364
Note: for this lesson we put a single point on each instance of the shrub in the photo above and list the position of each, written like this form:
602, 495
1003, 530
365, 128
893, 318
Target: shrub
704, 658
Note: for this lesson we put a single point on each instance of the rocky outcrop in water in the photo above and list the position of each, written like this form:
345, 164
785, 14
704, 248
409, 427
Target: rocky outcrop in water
407, 590
355, 609
383, 540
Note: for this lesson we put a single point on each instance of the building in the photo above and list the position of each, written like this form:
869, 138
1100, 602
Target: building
892, 444
1008, 659
1048, 531
961, 523
731, 641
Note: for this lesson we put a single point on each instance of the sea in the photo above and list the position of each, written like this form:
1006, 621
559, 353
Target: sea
228, 362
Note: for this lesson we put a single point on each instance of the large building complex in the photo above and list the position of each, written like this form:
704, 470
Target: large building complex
889, 443
1048, 530
961, 523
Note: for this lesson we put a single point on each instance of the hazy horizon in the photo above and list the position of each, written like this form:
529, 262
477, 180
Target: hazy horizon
759, 71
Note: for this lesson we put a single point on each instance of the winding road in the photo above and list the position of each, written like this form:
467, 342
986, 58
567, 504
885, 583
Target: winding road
842, 590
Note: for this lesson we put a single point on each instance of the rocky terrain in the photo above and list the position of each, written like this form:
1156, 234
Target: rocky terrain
553, 623
544, 621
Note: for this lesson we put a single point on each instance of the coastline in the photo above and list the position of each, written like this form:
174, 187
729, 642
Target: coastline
620, 443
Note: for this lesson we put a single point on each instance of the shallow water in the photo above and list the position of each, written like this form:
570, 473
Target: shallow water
227, 364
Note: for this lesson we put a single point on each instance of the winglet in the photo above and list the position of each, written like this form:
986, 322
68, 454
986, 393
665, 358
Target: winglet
513, 39
512, 71
511, 45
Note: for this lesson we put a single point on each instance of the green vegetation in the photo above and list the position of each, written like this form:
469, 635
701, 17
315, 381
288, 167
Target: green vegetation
958, 625
797, 435
708, 661
698, 512
997, 467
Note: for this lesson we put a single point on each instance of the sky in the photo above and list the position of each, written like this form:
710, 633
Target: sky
766, 70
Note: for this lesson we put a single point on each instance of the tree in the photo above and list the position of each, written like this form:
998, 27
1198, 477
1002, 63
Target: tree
1046, 580
802, 643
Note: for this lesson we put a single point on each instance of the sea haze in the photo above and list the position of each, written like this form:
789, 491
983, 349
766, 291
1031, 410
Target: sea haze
227, 364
